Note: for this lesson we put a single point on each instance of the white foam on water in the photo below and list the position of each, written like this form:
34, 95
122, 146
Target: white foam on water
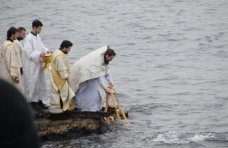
201, 137
170, 138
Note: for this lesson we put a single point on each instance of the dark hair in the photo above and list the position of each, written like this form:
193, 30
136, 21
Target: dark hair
10, 32
37, 23
110, 52
66, 44
19, 29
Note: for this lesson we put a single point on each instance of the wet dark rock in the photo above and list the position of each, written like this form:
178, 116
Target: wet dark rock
71, 124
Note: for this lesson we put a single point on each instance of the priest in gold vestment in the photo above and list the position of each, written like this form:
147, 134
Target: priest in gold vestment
61, 92
10, 67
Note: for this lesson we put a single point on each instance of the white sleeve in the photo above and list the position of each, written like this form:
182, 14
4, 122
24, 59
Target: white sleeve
45, 49
101, 81
33, 55
108, 77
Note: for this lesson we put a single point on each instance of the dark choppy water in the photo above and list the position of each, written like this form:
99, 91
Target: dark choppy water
171, 70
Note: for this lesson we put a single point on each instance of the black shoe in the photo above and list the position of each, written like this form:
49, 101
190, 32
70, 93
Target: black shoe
42, 105
35, 106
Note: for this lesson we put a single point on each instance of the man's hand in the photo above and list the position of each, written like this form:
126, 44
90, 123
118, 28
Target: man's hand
42, 57
42, 54
109, 90
110, 85
49, 51
16, 80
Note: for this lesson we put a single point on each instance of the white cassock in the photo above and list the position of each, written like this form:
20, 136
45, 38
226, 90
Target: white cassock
34, 76
10, 64
87, 80
61, 93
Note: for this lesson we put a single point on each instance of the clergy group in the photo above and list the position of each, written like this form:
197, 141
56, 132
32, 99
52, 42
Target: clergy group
82, 85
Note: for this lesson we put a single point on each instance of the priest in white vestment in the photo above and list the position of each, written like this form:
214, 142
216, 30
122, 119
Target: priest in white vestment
34, 76
88, 76
10, 66
61, 93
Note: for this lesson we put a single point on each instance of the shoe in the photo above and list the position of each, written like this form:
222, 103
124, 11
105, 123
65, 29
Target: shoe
35, 106
42, 105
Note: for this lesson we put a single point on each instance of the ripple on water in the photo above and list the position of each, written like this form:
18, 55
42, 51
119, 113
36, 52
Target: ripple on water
171, 66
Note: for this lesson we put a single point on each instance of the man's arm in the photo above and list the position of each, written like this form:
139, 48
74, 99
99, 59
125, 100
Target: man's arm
108, 77
61, 68
33, 54
101, 81
14, 66
44, 48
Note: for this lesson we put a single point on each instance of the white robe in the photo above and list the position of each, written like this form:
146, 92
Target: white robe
88, 97
60, 70
84, 75
10, 64
34, 75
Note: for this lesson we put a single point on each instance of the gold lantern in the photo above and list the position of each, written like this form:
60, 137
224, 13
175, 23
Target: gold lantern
47, 61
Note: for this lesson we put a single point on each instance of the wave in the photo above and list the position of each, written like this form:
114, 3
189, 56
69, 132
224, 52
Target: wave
202, 138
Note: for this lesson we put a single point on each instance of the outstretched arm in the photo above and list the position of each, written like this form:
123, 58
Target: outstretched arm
108, 77
101, 81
